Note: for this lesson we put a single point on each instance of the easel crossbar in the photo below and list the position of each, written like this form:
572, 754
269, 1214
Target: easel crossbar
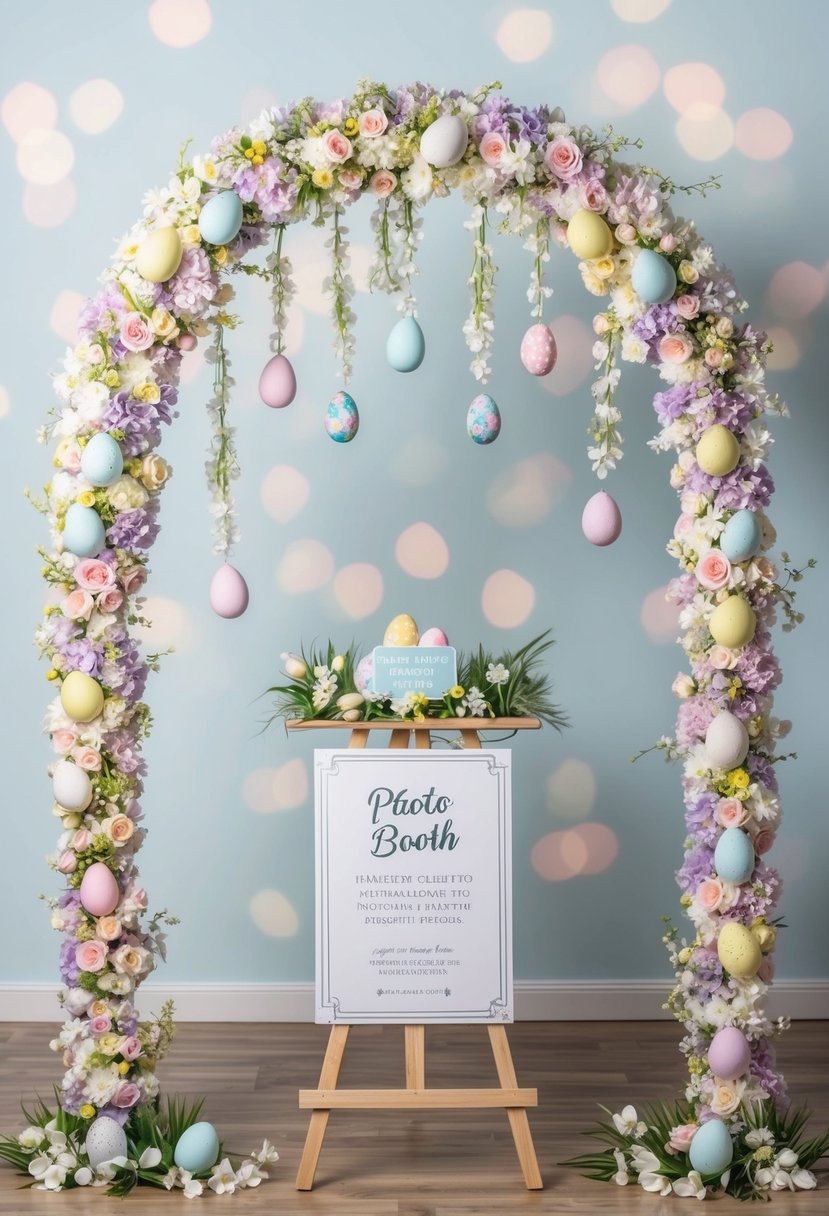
421, 1099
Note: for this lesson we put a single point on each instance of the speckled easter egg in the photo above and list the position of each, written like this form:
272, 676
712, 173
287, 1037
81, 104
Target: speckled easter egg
734, 857
733, 622
364, 673
197, 1148
653, 277
738, 950
406, 345
221, 218
81, 696
341, 418
102, 461
401, 631
433, 637
538, 350
717, 451
444, 142
159, 255
589, 236
740, 538
726, 741
228, 592
71, 786
711, 1149
277, 384
729, 1055
105, 1139
83, 531
483, 419
99, 890
601, 520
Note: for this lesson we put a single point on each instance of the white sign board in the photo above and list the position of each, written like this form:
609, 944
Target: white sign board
414, 886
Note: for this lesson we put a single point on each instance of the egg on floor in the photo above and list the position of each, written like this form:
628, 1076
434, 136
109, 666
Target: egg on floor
197, 1148
342, 421
483, 419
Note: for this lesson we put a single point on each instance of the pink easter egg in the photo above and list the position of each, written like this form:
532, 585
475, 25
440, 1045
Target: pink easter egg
99, 890
364, 672
186, 342
433, 637
277, 384
538, 350
729, 1055
601, 520
228, 592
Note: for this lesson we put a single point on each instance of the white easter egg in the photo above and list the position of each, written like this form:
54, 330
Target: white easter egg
104, 1140
726, 741
444, 142
71, 786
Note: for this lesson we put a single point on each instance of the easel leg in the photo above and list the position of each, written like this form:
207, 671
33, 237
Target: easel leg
518, 1121
319, 1118
415, 1057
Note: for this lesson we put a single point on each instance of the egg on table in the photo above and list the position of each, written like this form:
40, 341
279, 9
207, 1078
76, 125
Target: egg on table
83, 531
601, 520
729, 1054
342, 420
483, 419
406, 345
277, 383
159, 255
228, 592
733, 622
740, 538
71, 786
589, 236
401, 631
653, 278
712, 1149
444, 141
433, 637
726, 741
105, 1140
197, 1148
102, 461
734, 856
81, 696
99, 890
538, 351
221, 218
738, 950
717, 451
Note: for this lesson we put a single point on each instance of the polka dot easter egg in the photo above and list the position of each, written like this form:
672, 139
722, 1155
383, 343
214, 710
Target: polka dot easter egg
483, 420
341, 418
538, 350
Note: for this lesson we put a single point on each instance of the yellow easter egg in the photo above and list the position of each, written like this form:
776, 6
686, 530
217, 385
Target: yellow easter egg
738, 950
81, 697
733, 622
402, 631
718, 451
159, 255
589, 236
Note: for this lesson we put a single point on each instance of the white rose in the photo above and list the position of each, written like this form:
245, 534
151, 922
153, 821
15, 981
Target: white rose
126, 494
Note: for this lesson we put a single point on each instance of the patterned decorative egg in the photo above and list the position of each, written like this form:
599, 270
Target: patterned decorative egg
733, 622
740, 538
601, 520
159, 255
711, 1149
105, 1140
71, 786
406, 345
738, 950
483, 419
653, 277
444, 142
729, 1055
589, 236
197, 1148
228, 592
726, 741
734, 856
341, 418
221, 218
277, 384
402, 631
99, 890
364, 673
102, 461
83, 531
433, 637
81, 696
718, 451
538, 350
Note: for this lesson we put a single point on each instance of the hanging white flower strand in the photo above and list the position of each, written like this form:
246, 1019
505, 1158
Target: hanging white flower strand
479, 326
397, 235
283, 289
607, 440
538, 244
223, 466
341, 287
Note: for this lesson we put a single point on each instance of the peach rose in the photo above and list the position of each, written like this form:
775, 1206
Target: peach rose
683, 686
119, 828
721, 658
163, 323
714, 570
91, 574
625, 234
108, 928
87, 757
727, 1097
135, 333
372, 123
91, 956
350, 179
77, 605
709, 894
763, 840
129, 960
681, 1137
110, 600
99, 1009
67, 862
382, 183
63, 740
687, 306
492, 148
730, 813
563, 158
154, 471
337, 146
675, 348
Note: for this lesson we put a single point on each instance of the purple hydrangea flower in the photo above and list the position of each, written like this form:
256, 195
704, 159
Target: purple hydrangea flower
136, 529
139, 420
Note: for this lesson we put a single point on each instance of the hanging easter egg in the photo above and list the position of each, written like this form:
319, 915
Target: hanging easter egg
729, 1055
99, 890
433, 637
740, 538
734, 856
402, 631
221, 218
277, 384
197, 1148
444, 142
364, 673
341, 418
406, 345
733, 622
71, 786
653, 277
589, 236
159, 255
712, 1149
102, 462
228, 592
718, 451
726, 741
738, 950
483, 419
538, 350
83, 531
105, 1140
601, 519
82, 697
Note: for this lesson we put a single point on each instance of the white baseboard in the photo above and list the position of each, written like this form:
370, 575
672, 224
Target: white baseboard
535, 1001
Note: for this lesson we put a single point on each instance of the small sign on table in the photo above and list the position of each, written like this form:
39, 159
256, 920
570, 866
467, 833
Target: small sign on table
430, 670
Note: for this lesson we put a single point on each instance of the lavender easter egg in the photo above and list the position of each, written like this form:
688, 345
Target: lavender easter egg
538, 350
83, 531
601, 520
729, 1055
342, 421
406, 345
221, 218
653, 277
740, 538
734, 856
228, 592
277, 384
99, 890
726, 741
102, 462
444, 142
433, 637
711, 1149
71, 786
483, 419
364, 673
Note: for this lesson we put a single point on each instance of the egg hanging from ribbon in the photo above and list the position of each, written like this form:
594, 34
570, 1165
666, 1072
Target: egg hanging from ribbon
277, 383
483, 419
601, 520
406, 345
83, 531
538, 350
228, 592
221, 218
159, 255
102, 462
342, 421
444, 142
653, 278
740, 538
589, 236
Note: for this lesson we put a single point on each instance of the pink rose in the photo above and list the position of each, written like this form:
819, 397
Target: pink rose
130, 1048
100, 1025
77, 605
86, 757
721, 658
110, 600
594, 196
563, 158
687, 307
730, 813
668, 242
683, 526
372, 123
81, 840
132, 579
337, 146
763, 840
350, 179
626, 234
91, 956
675, 348
709, 894
63, 740
138, 897
683, 686
713, 357
714, 570
492, 147
126, 1095
108, 928
91, 574
135, 332
67, 862
382, 183
681, 1137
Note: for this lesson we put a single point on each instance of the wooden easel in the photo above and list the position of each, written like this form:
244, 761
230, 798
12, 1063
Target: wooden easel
415, 1095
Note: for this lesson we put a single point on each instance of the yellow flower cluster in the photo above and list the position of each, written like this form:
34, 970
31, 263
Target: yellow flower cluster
256, 152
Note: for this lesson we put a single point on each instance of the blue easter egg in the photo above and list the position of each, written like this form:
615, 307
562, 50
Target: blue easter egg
740, 538
83, 532
102, 462
653, 278
197, 1148
221, 218
406, 346
483, 419
734, 856
342, 420
711, 1149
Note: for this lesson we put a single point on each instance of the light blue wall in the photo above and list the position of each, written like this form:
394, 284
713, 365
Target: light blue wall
208, 854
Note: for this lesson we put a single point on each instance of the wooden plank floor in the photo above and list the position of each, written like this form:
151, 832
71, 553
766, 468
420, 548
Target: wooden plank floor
398, 1163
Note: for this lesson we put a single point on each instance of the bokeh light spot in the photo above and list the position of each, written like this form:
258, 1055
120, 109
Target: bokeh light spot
628, 75
273, 914
707, 137
421, 551
589, 848
507, 599
170, 624
524, 34
639, 10
63, 318
28, 107
763, 134
96, 105
358, 589
305, 566
694, 89
268, 790
575, 356
795, 290
659, 617
5, 401
786, 353
284, 492
49, 206
191, 364
44, 156
524, 493
180, 23
571, 790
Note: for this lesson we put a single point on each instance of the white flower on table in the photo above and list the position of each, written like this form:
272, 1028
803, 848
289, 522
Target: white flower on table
31, 1137
497, 673
223, 1180
690, 1187
643, 1160
629, 1124
473, 703
249, 1174
266, 1154
621, 1177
